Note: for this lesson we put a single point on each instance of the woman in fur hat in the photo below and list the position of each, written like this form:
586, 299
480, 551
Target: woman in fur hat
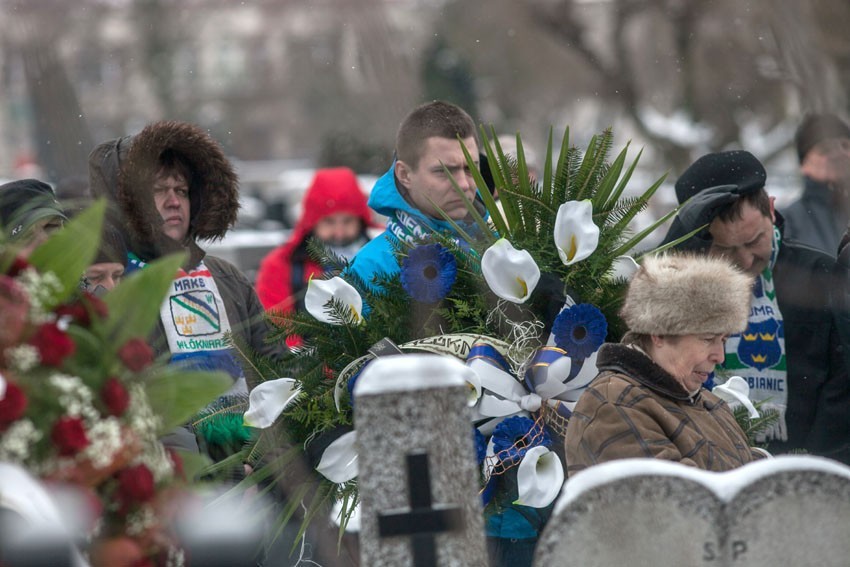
648, 400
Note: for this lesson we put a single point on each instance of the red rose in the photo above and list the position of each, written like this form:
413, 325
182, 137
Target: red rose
83, 309
115, 396
53, 344
136, 354
19, 265
69, 436
14, 305
135, 486
12, 405
75, 311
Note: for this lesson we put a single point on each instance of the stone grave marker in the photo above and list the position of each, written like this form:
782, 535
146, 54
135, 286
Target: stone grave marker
785, 511
417, 475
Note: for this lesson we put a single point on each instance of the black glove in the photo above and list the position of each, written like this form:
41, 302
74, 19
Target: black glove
697, 211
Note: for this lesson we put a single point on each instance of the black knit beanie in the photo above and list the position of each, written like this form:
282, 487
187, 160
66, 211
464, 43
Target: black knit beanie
738, 168
25, 201
818, 127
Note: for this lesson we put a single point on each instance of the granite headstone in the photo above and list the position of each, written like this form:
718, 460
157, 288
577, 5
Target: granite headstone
418, 478
783, 511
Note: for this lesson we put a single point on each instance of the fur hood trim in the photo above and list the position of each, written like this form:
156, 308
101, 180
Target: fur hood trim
123, 170
685, 294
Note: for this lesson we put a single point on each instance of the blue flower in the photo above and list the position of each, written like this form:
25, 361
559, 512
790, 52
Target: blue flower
514, 436
428, 273
480, 445
580, 330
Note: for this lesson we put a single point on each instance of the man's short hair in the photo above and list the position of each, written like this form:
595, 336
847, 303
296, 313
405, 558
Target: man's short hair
433, 119
758, 199
816, 128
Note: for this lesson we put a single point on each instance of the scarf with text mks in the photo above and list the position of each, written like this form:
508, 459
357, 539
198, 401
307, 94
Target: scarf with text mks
758, 354
196, 322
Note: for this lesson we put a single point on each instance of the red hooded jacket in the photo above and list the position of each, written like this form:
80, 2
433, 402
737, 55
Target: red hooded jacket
332, 191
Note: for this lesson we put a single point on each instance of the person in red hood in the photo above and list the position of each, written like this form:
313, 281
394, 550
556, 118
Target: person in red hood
336, 213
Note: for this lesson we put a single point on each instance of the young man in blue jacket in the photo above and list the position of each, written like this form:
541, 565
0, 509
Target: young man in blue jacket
417, 187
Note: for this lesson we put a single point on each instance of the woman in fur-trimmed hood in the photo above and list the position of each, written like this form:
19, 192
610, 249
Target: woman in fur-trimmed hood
210, 297
124, 171
648, 399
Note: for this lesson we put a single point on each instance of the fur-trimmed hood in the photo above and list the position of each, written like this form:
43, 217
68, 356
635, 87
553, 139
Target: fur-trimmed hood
687, 294
123, 170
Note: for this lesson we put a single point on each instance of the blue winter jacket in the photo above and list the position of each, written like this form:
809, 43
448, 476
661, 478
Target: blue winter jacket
377, 256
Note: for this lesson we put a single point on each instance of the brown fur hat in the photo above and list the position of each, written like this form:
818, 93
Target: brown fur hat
685, 294
124, 170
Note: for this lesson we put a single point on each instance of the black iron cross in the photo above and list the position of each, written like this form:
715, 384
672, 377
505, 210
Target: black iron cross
422, 522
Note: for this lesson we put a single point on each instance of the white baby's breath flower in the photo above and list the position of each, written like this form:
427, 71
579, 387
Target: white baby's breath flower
176, 557
22, 357
156, 458
104, 442
16, 442
41, 288
140, 520
139, 414
75, 397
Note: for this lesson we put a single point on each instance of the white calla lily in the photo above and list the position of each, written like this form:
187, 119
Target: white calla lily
512, 274
473, 382
540, 477
623, 268
734, 392
319, 294
339, 461
268, 400
576, 235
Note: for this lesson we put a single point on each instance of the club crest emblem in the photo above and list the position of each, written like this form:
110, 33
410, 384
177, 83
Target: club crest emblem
195, 314
759, 345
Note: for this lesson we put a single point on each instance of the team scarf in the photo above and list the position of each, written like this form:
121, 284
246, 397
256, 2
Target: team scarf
407, 228
758, 354
195, 321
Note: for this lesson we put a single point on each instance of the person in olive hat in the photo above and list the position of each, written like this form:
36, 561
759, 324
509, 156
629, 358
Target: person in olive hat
790, 352
29, 214
819, 217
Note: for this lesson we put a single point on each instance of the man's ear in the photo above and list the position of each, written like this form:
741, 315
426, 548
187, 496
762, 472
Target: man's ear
402, 173
772, 209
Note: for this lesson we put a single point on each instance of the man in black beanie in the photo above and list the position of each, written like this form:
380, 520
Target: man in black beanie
29, 214
819, 217
791, 352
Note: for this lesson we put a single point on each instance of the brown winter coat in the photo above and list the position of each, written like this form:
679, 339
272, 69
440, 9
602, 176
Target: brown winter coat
636, 409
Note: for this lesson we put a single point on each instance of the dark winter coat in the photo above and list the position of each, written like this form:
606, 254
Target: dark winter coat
817, 219
817, 417
634, 409
123, 170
